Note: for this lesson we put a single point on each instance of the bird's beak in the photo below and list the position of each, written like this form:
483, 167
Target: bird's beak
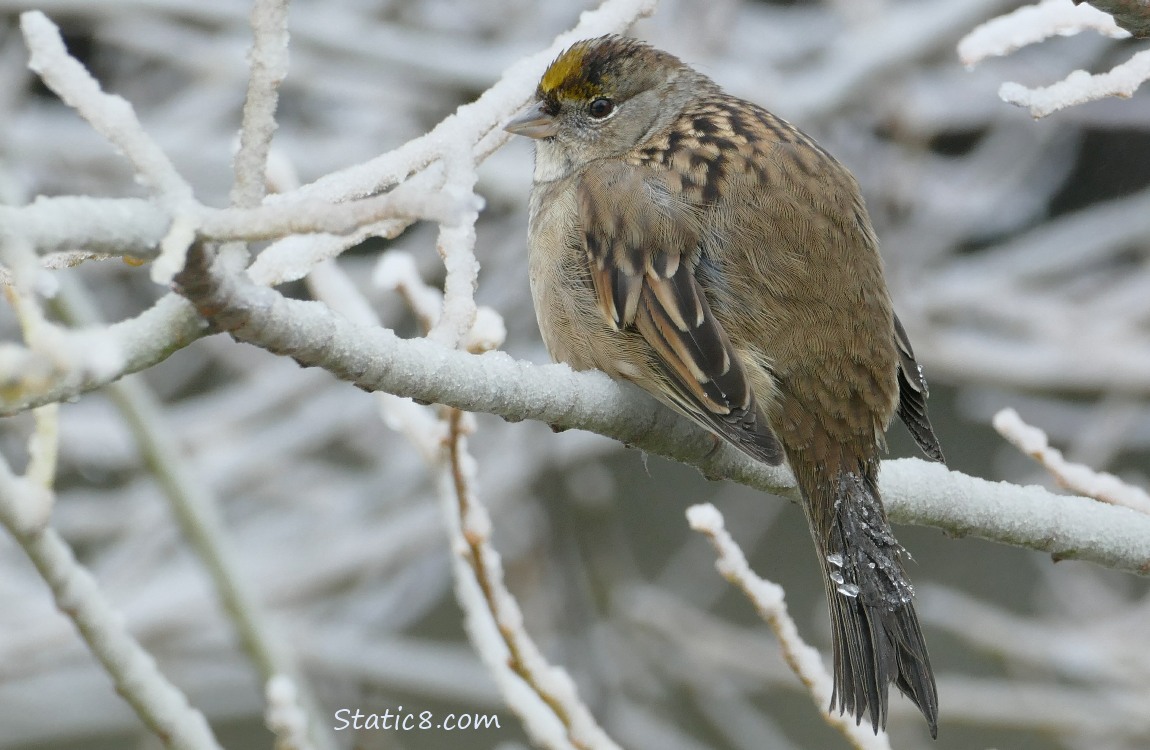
533, 122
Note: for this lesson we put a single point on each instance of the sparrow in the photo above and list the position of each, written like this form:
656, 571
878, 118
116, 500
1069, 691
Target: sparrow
697, 245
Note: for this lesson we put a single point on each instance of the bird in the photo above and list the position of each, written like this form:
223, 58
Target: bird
706, 250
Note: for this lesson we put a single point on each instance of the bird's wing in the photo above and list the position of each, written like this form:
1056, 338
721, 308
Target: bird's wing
912, 393
642, 250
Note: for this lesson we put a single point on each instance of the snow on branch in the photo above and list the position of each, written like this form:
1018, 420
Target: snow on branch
160, 705
269, 63
1101, 486
396, 271
135, 228
1080, 87
456, 246
376, 359
769, 601
110, 115
1035, 23
542, 695
51, 352
284, 716
125, 226
141, 342
311, 224
1031, 24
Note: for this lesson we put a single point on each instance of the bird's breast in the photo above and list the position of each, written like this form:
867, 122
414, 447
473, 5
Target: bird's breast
557, 267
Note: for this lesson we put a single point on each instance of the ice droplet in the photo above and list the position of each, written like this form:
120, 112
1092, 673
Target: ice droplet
836, 560
849, 589
837, 577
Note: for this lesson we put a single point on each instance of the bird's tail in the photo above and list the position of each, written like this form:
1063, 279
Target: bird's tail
877, 640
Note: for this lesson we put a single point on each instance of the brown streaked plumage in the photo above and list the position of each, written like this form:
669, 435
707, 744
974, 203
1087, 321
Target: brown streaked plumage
702, 248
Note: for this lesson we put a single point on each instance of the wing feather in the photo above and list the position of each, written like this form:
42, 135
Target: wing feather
912, 393
642, 254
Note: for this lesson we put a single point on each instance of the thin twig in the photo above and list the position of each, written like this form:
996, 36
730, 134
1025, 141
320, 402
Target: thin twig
158, 703
769, 601
197, 512
443, 444
1101, 486
110, 115
551, 685
269, 63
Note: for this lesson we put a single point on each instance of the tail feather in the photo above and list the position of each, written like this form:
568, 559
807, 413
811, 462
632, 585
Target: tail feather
876, 636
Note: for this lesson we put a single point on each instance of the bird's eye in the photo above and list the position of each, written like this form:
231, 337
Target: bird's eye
600, 108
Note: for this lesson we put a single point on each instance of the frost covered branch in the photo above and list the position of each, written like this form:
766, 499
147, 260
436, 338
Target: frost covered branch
1080, 87
110, 115
26, 504
1014, 253
376, 359
1035, 23
202, 523
543, 696
1101, 486
769, 601
158, 703
557, 718
144, 340
269, 66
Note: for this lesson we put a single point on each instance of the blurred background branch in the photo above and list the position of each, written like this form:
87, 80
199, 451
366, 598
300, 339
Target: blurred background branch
1017, 254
